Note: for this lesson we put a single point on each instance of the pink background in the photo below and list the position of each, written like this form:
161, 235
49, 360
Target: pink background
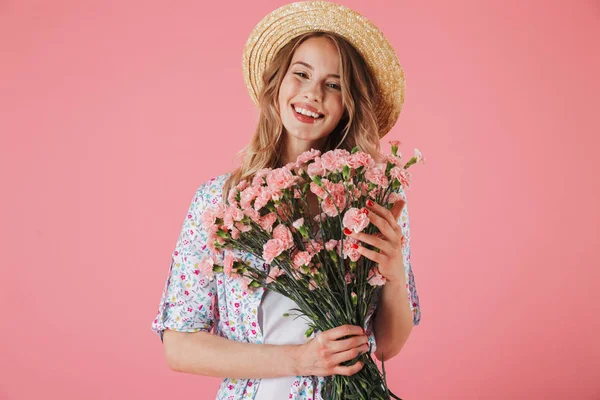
113, 113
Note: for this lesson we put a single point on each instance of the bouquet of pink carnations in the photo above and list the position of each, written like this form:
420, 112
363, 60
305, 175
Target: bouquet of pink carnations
310, 259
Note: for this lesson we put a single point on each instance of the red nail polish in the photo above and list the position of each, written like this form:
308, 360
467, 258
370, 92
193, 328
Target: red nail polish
347, 231
355, 246
369, 203
366, 211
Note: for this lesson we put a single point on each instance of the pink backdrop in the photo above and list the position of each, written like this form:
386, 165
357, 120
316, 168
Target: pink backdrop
113, 113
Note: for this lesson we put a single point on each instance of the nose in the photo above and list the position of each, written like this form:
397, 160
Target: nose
314, 92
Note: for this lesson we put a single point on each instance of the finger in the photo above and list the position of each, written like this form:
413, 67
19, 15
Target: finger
341, 331
385, 226
371, 255
349, 354
376, 241
397, 209
348, 370
338, 346
391, 216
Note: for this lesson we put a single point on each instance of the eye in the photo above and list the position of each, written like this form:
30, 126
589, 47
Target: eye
301, 74
334, 86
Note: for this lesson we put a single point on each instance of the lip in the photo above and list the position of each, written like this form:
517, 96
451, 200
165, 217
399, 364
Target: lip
304, 118
307, 107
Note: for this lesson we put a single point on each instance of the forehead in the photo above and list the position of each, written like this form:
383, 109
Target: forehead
320, 53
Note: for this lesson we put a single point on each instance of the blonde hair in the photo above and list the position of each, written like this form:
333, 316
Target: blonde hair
357, 127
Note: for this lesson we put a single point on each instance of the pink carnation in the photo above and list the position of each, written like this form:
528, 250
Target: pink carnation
267, 221
351, 249
301, 258
359, 159
315, 247
274, 273
242, 185
307, 156
228, 264
280, 178
246, 197
243, 227
375, 278
232, 215
318, 190
394, 159
231, 196
263, 197
334, 160
253, 214
258, 177
396, 172
376, 175
208, 218
212, 238
298, 223
315, 168
405, 178
356, 219
206, 268
244, 282
282, 233
349, 277
338, 200
375, 192
330, 245
272, 249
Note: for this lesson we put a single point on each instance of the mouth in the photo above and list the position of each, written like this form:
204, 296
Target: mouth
306, 116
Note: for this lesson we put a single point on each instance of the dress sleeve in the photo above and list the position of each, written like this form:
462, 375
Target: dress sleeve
413, 296
188, 301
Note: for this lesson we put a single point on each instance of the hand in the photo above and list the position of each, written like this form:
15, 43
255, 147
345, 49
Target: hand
322, 355
389, 242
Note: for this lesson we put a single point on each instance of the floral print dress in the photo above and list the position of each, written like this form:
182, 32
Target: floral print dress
190, 303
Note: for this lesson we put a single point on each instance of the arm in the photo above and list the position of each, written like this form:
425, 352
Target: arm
393, 320
203, 353
398, 309
398, 306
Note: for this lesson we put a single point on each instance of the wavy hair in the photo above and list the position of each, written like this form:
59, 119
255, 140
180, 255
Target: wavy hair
357, 127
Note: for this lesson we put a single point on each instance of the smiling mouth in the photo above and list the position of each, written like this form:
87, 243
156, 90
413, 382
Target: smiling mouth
304, 116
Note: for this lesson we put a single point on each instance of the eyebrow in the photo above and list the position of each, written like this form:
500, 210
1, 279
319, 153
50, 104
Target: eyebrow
312, 69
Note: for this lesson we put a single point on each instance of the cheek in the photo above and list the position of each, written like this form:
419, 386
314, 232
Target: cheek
337, 108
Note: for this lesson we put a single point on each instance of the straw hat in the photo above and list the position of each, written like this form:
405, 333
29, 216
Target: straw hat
292, 20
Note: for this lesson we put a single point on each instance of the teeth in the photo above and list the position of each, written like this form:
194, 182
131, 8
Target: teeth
302, 111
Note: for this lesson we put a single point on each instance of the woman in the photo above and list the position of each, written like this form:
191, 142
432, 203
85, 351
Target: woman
318, 91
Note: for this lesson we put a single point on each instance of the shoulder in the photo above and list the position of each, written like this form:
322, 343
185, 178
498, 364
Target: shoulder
210, 191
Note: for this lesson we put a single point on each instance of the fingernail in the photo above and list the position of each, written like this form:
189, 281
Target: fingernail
366, 211
355, 246
347, 231
369, 203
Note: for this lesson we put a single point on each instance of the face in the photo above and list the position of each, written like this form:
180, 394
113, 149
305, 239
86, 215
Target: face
310, 95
